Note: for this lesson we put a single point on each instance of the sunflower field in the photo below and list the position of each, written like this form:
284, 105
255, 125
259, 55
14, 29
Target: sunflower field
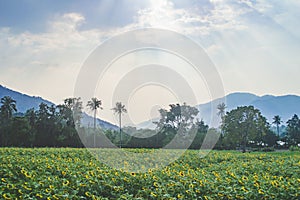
66, 173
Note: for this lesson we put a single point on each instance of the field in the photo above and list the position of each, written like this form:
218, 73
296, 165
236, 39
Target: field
64, 173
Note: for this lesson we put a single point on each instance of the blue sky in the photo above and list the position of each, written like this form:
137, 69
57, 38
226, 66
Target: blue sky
254, 44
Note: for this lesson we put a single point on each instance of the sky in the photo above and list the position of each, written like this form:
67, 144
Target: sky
253, 44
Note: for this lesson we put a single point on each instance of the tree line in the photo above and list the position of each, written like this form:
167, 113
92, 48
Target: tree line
177, 127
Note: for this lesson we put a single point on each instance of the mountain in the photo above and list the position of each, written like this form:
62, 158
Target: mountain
25, 102
269, 105
88, 121
284, 106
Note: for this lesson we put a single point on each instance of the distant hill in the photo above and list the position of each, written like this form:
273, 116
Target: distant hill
284, 106
25, 102
269, 105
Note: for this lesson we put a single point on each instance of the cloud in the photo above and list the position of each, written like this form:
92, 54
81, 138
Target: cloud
47, 63
44, 62
201, 19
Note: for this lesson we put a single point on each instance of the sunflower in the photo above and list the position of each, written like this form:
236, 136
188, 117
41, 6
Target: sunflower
133, 174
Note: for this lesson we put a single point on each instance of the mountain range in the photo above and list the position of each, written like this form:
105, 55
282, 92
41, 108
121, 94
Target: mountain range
25, 102
284, 106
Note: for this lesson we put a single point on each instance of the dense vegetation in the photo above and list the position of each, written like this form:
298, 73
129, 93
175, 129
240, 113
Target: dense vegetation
60, 126
55, 173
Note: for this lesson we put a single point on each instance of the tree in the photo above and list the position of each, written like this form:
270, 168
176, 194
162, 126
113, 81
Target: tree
47, 126
70, 114
94, 104
20, 133
31, 117
270, 138
293, 130
277, 121
244, 124
179, 119
119, 109
202, 129
8, 107
178, 116
71, 111
221, 110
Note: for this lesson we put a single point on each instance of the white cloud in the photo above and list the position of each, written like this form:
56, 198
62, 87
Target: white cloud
191, 21
47, 63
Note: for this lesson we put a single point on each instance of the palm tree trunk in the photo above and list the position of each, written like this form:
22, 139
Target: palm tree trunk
120, 130
95, 128
278, 130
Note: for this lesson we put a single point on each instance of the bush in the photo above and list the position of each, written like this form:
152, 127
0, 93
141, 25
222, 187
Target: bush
294, 148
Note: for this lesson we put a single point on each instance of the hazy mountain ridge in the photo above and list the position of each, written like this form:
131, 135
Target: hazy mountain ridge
269, 105
25, 102
285, 106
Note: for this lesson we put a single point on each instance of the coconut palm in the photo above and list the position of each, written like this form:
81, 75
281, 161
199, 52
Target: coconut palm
221, 112
119, 109
277, 121
8, 107
221, 109
94, 104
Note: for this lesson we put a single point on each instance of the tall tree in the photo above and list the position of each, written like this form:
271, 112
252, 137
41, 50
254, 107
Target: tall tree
293, 130
244, 124
119, 109
179, 116
71, 111
277, 121
20, 133
48, 125
178, 121
94, 104
8, 107
221, 112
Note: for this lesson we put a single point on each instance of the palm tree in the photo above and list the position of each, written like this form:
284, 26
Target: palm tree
119, 109
8, 107
94, 104
277, 121
6, 111
221, 112
221, 109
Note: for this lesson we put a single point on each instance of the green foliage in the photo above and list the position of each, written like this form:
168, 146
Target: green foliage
64, 173
294, 148
293, 130
59, 126
48, 126
270, 138
20, 132
178, 122
277, 121
242, 125
7, 108
119, 109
